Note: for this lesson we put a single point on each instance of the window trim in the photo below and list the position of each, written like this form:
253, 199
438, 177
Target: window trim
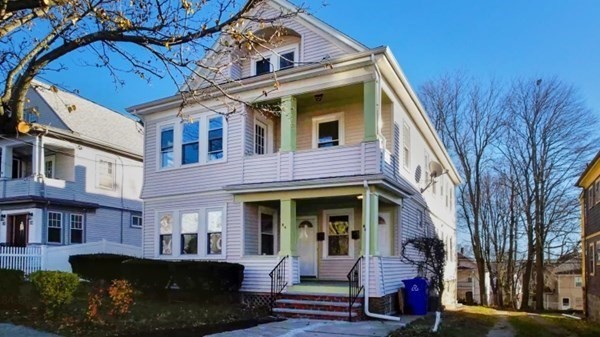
113, 162
562, 302
173, 233
580, 281
336, 212
141, 217
177, 226
273, 212
61, 228
204, 231
188, 143
337, 116
52, 159
71, 228
203, 118
592, 259
223, 139
273, 56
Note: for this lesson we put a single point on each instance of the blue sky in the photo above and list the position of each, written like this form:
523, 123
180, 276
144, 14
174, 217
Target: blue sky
499, 38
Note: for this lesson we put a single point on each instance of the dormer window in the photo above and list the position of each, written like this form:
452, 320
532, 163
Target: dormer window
275, 60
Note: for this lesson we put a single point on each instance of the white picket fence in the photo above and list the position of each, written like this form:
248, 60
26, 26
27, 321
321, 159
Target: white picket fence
34, 258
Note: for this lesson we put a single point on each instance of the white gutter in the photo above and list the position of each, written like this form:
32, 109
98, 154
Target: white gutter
368, 258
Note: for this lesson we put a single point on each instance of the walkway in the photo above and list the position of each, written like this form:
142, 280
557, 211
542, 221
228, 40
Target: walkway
10, 330
317, 328
502, 328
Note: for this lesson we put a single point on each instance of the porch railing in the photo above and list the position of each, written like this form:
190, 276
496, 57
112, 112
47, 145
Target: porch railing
355, 285
278, 280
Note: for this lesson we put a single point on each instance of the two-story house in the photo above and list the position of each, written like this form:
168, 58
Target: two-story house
589, 199
325, 191
76, 177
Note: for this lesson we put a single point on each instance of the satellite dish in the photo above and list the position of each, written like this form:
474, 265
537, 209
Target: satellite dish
23, 127
435, 168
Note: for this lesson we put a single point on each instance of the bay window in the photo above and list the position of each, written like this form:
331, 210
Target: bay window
198, 142
189, 143
214, 231
189, 233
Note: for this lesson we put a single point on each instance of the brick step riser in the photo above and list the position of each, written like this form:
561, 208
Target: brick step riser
320, 307
321, 317
318, 298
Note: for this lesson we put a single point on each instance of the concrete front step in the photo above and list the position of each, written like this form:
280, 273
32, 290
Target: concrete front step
316, 314
316, 305
317, 297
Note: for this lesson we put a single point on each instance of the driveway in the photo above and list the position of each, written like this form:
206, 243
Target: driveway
317, 328
10, 330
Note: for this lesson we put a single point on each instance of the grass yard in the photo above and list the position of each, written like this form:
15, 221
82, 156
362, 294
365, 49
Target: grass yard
552, 325
148, 318
467, 322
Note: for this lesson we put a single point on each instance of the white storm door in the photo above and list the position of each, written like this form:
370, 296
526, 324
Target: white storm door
307, 245
385, 242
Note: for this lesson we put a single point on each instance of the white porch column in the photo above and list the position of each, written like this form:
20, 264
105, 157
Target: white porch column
42, 159
35, 158
7, 157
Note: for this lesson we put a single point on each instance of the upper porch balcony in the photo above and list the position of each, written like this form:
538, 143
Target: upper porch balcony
338, 132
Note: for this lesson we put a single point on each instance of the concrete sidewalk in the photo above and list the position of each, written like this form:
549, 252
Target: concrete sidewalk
318, 328
11, 330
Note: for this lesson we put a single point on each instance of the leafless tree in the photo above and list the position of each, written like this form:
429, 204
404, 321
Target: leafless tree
468, 117
550, 136
163, 38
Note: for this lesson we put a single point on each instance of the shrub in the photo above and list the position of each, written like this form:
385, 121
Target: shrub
199, 277
55, 288
120, 293
10, 282
98, 267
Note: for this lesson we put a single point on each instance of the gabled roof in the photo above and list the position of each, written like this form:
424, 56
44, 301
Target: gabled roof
92, 122
583, 180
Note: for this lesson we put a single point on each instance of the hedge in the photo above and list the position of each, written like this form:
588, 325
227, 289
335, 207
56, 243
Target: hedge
55, 288
201, 277
96, 267
10, 285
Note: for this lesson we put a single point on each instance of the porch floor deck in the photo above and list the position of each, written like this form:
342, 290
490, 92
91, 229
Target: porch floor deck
319, 287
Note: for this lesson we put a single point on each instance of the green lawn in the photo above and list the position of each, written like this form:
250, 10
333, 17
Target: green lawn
552, 325
468, 322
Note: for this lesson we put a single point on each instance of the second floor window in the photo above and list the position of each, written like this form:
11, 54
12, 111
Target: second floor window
189, 143
215, 138
166, 147
260, 137
136, 221
406, 146
328, 130
106, 174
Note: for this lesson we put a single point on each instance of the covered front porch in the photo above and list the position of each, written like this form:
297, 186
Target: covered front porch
321, 232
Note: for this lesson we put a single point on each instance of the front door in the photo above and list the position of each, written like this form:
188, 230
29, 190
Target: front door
17, 230
307, 245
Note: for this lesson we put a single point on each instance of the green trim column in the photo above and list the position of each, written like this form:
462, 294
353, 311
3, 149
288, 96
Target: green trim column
288, 233
374, 213
371, 224
288, 124
370, 110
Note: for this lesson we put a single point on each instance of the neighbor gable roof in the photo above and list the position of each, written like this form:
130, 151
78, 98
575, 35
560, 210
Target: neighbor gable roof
91, 121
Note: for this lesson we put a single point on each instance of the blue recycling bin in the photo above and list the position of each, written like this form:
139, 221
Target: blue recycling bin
416, 296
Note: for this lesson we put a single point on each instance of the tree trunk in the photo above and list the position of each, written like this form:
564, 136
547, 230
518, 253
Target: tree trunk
539, 276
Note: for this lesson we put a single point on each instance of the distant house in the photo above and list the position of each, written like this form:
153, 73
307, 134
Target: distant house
589, 181
75, 178
467, 290
296, 196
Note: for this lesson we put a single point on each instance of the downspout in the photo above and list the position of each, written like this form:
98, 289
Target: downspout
368, 225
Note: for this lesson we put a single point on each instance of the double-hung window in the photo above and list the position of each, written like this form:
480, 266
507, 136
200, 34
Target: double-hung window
166, 234
214, 231
279, 59
76, 228
166, 147
406, 146
339, 226
267, 219
54, 227
106, 173
578, 282
260, 137
328, 130
136, 221
189, 233
215, 138
190, 137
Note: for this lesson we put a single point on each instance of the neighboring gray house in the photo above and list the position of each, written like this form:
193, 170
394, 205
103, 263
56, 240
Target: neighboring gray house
75, 178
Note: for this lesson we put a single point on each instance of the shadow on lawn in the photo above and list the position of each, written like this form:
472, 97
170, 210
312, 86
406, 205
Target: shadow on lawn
467, 322
202, 330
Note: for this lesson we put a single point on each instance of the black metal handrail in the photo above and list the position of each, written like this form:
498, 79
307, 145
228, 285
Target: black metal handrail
278, 280
355, 286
